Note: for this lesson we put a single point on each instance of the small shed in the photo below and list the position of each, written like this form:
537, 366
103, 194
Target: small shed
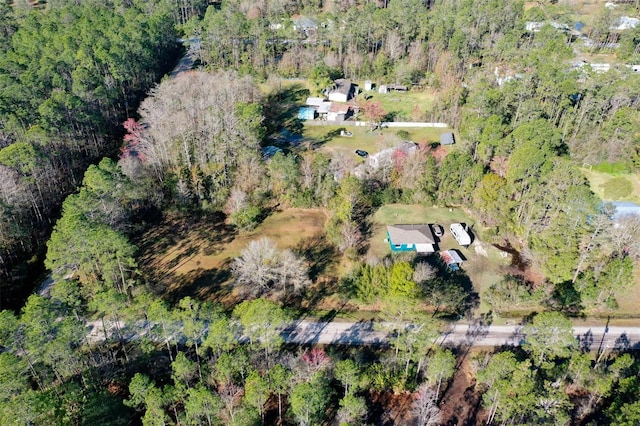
398, 87
368, 85
452, 259
415, 237
447, 139
306, 113
383, 89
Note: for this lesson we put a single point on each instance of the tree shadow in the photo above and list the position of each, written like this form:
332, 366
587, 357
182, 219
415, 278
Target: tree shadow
622, 343
281, 108
318, 252
318, 142
206, 284
566, 299
585, 341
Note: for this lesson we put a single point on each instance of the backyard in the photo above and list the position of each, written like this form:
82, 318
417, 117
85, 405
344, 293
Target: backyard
614, 187
327, 139
484, 263
414, 105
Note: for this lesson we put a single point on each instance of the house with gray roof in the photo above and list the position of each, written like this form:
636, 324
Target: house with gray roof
411, 237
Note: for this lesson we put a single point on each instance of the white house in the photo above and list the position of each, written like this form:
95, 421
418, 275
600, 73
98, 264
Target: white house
625, 23
342, 90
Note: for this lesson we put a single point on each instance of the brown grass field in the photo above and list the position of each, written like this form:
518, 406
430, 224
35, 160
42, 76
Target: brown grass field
189, 257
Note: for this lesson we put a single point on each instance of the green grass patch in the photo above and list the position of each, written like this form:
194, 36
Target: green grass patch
327, 138
612, 168
617, 188
614, 187
189, 257
401, 105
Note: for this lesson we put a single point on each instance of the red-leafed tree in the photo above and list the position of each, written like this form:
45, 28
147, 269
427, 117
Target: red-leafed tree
373, 112
132, 138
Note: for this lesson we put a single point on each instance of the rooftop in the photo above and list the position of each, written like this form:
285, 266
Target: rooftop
411, 234
342, 85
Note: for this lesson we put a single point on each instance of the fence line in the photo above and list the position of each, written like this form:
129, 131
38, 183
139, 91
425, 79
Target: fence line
366, 123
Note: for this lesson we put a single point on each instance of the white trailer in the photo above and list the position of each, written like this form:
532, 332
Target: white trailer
460, 233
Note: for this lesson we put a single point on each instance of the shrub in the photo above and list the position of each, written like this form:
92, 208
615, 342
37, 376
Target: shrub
403, 134
617, 188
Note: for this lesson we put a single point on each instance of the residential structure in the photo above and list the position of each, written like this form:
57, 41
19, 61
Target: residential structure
341, 91
447, 139
418, 238
337, 111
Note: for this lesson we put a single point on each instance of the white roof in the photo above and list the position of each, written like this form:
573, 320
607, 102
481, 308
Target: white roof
323, 108
314, 101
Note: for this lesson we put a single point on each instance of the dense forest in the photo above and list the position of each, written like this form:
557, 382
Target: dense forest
70, 75
97, 150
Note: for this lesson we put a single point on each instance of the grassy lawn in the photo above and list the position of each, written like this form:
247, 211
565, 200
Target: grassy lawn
402, 104
484, 264
601, 184
327, 139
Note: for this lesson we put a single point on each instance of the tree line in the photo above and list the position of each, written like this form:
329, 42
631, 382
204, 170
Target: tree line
69, 75
186, 364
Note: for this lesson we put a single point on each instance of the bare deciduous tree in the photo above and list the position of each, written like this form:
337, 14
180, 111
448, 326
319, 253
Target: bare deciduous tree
201, 122
423, 272
425, 407
261, 267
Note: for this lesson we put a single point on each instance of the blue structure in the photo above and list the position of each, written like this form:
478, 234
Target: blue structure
625, 208
306, 113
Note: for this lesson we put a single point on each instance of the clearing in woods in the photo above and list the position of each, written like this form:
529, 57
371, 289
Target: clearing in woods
327, 139
192, 257
601, 184
484, 263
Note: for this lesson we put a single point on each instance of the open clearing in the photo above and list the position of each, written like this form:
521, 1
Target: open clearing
484, 265
327, 138
598, 182
193, 257
401, 105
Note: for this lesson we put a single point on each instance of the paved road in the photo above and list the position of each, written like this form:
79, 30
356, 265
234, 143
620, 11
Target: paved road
186, 62
479, 335
365, 333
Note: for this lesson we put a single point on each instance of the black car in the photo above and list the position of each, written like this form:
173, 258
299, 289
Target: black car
361, 153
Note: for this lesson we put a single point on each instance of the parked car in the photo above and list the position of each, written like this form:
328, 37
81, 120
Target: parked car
361, 153
346, 133
438, 230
